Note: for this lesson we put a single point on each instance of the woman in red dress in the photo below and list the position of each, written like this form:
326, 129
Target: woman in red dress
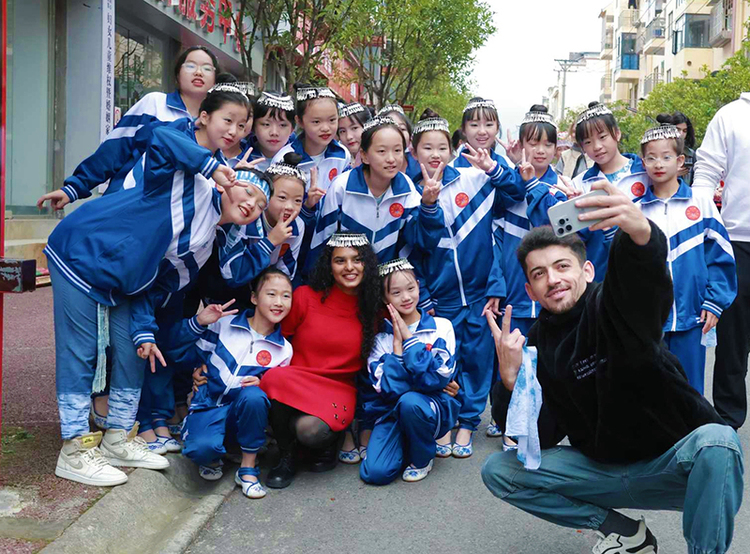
332, 327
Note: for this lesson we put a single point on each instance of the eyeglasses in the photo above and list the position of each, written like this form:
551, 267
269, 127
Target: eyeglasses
191, 67
651, 160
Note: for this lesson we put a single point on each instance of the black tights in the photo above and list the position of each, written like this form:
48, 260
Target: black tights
290, 424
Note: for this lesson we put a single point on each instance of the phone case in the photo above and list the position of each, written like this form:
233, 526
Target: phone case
564, 216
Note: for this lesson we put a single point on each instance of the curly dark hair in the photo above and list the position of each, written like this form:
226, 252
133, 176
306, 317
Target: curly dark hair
369, 292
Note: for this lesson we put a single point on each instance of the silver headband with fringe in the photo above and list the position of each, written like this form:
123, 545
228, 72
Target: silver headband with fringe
399, 264
347, 240
239, 88
595, 111
351, 109
311, 93
660, 133
281, 168
272, 100
391, 108
377, 121
486, 104
431, 124
539, 117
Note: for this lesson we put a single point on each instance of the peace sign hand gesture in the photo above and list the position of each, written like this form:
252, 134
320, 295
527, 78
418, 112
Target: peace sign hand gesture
431, 185
314, 194
525, 168
481, 159
244, 164
214, 312
513, 148
508, 345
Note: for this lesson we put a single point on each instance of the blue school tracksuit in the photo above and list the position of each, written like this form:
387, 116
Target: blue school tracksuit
413, 169
231, 350
409, 406
115, 247
633, 183
701, 262
458, 272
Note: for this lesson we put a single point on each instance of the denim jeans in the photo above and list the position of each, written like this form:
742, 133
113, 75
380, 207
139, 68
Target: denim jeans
75, 360
701, 476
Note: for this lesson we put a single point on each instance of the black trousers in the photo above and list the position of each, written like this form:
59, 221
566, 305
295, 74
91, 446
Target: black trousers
733, 346
290, 425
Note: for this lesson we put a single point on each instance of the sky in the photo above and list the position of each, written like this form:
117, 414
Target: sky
516, 66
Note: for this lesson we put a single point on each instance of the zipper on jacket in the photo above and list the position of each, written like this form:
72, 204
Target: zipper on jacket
669, 259
236, 371
458, 268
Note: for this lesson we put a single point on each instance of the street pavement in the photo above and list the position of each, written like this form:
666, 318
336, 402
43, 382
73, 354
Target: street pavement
450, 511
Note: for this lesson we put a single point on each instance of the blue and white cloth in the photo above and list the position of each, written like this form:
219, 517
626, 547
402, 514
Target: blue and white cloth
523, 412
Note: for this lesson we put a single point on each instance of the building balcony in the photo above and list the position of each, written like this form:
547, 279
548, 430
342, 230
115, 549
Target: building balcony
650, 82
606, 82
607, 44
628, 20
628, 68
720, 30
652, 37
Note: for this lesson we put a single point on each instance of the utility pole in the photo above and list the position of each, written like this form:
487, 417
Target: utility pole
574, 60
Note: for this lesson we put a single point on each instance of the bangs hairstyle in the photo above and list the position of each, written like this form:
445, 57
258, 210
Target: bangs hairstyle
257, 284
216, 99
543, 237
302, 104
538, 130
262, 110
361, 117
596, 125
182, 57
393, 113
417, 136
369, 134
387, 279
477, 113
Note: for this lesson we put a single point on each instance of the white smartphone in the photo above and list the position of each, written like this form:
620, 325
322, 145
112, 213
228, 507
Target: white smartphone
564, 216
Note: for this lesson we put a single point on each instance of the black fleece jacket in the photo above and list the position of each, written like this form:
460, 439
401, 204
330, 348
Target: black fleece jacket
607, 377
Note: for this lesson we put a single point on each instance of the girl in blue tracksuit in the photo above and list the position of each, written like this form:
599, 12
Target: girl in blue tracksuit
700, 257
114, 248
352, 119
236, 350
598, 135
272, 126
410, 165
411, 370
458, 271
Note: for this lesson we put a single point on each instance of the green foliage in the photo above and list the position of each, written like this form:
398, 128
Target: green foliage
447, 98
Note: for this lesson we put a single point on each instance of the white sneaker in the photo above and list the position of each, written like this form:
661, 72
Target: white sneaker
81, 460
413, 474
129, 450
169, 444
643, 542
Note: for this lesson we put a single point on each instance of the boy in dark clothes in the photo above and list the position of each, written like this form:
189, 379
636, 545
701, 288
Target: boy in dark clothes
641, 436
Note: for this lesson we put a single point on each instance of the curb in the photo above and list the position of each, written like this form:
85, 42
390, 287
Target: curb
154, 512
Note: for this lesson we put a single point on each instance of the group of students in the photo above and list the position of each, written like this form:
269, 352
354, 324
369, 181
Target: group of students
345, 283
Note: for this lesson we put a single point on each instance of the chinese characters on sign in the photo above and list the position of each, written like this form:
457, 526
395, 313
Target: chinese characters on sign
108, 68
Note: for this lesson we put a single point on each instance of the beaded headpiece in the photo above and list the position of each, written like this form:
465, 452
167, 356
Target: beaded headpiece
272, 100
539, 117
661, 132
253, 179
241, 88
347, 240
281, 168
431, 124
399, 264
595, 111
351, 109
311, 93
486, 104
388, 108
377, 121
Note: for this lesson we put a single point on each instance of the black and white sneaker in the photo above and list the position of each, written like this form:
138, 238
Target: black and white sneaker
643, 542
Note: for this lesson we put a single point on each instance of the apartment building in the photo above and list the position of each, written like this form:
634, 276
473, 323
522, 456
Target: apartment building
648, 42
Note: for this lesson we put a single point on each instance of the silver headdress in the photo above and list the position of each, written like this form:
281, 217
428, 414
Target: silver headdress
377, 121
281, 168
347, 240
351, 109
311, 93
661, 132
240, 88
595, 111
539, 117
272, 100
431, 124
388, 108
486, 104
399, 264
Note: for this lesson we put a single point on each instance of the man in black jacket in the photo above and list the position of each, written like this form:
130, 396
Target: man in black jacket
641, 436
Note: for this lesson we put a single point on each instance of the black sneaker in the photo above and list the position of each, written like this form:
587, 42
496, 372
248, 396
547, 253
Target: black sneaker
282, 474
643, 542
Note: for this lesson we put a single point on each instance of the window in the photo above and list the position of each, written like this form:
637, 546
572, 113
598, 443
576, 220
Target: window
691, 31
669, 75
628, 55
139, 65
670, 21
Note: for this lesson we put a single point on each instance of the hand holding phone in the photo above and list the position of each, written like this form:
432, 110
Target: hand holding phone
564, 216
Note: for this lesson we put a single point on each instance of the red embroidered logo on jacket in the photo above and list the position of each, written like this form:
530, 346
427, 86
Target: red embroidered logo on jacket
462, 200
263, 358
428, 347
397, 210
284, 249
693, 213
638, 189
332, 174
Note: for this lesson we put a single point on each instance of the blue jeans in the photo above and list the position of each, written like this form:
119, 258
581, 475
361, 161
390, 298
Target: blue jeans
75, 360
701, 476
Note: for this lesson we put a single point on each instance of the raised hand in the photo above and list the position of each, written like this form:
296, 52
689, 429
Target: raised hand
567, 187
615, 210
431, 185
214, 312
244, 164
314, 194
58, 200
481, 159
513, 148
508, 345
281, 231
526, 170
149, 351
225, 177
398, 345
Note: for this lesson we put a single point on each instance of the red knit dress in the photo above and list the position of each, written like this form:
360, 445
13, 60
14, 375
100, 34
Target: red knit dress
326, 338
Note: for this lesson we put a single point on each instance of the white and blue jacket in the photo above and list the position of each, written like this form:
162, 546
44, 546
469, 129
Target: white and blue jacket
512, 226
337, 159
231, 350
427, 365
700, 257
117, 245
458, 270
